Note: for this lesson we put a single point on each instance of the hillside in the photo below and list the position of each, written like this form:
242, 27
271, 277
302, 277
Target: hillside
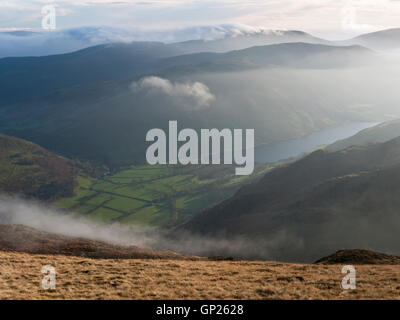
28, 169
380, 133
83, 278
359, 257
87, 269
305, 210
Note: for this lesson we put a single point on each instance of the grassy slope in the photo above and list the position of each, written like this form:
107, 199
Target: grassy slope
154, 195
82, 278
26, 168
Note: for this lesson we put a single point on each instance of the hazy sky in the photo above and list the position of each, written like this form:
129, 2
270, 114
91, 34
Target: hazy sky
332, 19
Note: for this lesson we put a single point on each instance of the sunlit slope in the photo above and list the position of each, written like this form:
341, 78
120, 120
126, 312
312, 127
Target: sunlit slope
82, 278
28, 169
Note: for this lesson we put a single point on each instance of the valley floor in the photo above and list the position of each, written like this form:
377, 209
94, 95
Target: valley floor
81, 278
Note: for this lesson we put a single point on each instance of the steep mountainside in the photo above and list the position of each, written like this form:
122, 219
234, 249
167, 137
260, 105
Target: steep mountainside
321, 203
32, 171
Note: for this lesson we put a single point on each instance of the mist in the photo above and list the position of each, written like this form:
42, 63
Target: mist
31, 213
42, 217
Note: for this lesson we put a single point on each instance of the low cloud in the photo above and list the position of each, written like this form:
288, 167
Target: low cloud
195, 94
14, 210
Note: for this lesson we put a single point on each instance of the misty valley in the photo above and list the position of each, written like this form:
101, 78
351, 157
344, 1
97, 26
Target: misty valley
80, 157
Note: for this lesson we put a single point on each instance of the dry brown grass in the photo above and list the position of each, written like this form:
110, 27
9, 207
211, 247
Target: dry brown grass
82, 278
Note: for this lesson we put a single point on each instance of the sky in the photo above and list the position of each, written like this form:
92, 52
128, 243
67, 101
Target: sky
331, 19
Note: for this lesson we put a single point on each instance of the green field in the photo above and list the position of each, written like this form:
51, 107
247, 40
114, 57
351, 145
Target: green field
158, 196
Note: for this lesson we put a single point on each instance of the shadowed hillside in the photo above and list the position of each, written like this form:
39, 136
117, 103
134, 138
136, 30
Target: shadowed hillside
359, 256
325, 201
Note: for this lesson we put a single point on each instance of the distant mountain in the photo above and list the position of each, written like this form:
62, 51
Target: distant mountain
92, 103
24, 78
380, 133
245, 40
294, 55
34, 44
381, 40
32, 171
221, 38
321, 203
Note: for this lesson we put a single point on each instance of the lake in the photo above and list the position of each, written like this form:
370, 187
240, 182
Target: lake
292, 148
